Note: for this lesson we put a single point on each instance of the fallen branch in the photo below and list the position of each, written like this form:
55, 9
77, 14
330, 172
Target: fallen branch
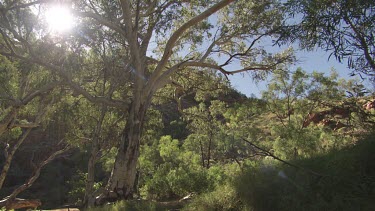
18, 203
268, 153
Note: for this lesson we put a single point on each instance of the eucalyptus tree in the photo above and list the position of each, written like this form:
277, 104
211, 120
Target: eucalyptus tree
20, 85
297, 98
27, 100
153, 41
285, 95
91, 128
245, 120
291, 96
345, 28
204, 128
287, 99
100, 124
26, 97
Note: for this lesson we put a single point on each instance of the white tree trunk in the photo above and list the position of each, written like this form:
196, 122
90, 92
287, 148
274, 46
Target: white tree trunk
122, 179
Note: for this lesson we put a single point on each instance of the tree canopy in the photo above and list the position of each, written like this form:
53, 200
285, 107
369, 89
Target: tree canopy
345, 28
139, 89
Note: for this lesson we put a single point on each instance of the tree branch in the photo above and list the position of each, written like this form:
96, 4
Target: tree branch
36, 173
68, 81
247, 50
8, 161
132, 36
102, 21
176, 35
365, 47
40, 91
267, 153
20, 6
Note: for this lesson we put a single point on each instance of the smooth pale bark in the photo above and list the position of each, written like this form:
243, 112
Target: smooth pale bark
122, 179
89, 198
123, 175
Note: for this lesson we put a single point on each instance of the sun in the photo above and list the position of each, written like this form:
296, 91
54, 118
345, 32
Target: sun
59, 19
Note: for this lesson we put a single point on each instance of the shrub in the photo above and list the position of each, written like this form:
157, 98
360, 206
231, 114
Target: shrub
346, 181
224, 197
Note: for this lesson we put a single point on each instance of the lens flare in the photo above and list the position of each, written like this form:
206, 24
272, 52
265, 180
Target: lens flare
59, 19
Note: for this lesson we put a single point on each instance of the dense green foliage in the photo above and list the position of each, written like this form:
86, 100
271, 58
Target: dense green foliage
213, 162
346, 182
134, 104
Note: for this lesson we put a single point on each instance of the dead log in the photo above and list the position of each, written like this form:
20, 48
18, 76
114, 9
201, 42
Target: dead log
18, 203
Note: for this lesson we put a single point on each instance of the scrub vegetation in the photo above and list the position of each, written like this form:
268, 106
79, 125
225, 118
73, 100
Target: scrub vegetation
128, 106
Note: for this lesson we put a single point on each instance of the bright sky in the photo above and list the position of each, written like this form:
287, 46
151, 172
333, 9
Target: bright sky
309, 61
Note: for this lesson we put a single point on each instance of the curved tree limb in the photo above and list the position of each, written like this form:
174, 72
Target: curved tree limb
8, 201
176, 35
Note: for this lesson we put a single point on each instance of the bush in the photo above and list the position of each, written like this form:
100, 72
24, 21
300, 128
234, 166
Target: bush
128, 206
224, 197
346, 182
168, 172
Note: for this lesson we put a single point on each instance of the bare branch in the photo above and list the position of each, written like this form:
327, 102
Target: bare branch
165, 76
267, 153
36, 173
208, 51
246, 52
363, 43
44, 89
97, 99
